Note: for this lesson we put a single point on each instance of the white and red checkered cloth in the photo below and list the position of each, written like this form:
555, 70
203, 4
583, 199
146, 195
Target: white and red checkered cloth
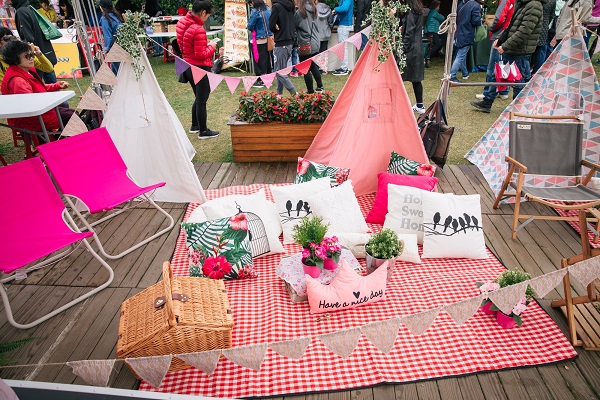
263, 312
594, 241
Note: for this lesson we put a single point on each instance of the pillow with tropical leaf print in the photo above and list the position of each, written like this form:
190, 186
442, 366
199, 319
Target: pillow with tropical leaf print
220, 249
310, 170
405, 166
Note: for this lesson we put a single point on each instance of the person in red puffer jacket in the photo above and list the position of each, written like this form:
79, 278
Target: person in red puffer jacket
21, 78
197, 51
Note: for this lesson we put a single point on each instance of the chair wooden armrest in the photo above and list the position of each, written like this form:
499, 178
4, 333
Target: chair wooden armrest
521, 166
590, 164
593, 168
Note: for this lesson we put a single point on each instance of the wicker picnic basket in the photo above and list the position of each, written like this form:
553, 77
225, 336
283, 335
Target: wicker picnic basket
178, 315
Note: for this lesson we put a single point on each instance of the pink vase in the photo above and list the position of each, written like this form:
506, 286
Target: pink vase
311, 270
329, 264
486, 309
505, 321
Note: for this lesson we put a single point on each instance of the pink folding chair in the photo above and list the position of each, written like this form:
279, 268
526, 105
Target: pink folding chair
89, 168
33, 227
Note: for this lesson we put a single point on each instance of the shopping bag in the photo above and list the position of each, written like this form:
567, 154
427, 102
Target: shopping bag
506, 72
50, 31
481, 33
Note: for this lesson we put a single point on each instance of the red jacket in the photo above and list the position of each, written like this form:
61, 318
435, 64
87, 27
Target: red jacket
191, 38
18, 81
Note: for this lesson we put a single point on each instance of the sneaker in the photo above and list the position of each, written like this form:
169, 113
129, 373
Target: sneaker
194, 129
323, 72
340, 72
320, 89
208, 134
419, 110
294, 74
480, 96
454, 80
503, 96
484, 105
466, 77
258, 85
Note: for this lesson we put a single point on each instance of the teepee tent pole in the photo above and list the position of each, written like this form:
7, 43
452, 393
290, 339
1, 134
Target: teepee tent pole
448, 26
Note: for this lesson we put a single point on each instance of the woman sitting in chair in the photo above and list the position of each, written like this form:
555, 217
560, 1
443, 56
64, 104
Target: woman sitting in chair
21, 77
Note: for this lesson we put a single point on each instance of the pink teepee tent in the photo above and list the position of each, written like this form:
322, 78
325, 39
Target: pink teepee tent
371, 117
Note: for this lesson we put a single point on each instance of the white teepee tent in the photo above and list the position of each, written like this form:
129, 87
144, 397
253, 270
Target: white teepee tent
150, 137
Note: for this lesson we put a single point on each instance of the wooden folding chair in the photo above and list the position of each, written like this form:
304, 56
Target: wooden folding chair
581, 322
548, 147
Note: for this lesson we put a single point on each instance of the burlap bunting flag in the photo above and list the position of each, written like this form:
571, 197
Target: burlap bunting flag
91, 101
214, 80
545, 283
304, 66
75, 126
586, 271
205, 361
506, 298
151, 369
463, 310
93, 372
341, 342
382, 334
118, 54
356, 40
105, 76
180, 66
339, 50
268, 79
197, 73
322, 60
419, 323
232, 83
248, 81
247, 356
293, 349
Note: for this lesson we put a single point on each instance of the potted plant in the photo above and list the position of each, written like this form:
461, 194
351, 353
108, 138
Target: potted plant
309, 234
381, 247
486, 303
333, 250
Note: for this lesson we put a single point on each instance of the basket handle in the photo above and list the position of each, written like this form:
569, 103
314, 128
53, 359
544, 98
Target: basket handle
167, 277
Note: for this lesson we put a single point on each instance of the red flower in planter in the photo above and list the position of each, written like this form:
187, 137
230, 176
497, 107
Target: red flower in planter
216, 267
239, 222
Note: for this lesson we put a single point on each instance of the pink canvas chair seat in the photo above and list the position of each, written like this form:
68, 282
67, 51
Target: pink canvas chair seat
89, 167
33, 227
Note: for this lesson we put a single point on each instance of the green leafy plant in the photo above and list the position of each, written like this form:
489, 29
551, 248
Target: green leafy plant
11, 346
386, 33
267, 106
384, 245
311, 229
128, 38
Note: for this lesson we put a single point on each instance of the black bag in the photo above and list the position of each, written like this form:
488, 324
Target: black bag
435, 133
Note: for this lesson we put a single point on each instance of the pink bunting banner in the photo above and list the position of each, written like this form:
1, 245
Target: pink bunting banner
463, 310
304, 66
93, 372
268, 79
247, 356
382, 334
285, 71
205, 361
293, 349
341, 342
322, 60
197, 73
356, 40
249, 81
214, 80
151, 369
232, 83
419, 323
339, 50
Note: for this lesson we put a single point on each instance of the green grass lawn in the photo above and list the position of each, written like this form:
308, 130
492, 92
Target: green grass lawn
470, 124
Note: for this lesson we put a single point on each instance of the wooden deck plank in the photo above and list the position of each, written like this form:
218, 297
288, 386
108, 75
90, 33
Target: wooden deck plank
490, 385
449, 389
428, 390
384, 392
469, 387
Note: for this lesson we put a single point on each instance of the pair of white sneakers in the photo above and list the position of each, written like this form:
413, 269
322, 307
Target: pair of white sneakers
480, 96
419, 110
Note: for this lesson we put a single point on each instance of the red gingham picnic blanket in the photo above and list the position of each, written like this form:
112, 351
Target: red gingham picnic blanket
263, 312
594, 242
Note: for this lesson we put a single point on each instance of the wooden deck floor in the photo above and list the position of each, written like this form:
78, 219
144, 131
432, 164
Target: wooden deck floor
89, 330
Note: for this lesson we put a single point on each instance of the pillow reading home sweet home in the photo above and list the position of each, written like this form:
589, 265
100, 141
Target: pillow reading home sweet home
346, 290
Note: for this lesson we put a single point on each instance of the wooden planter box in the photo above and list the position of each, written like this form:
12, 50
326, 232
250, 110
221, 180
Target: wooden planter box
273, 141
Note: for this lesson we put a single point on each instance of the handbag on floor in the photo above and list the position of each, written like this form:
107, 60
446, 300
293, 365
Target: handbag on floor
435, 133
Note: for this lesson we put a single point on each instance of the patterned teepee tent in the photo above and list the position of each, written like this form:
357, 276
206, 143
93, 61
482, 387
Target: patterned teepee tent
565, 85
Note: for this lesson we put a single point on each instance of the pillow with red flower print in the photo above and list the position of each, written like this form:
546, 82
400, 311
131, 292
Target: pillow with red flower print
405, 166
308, 170
220, 249
380, 205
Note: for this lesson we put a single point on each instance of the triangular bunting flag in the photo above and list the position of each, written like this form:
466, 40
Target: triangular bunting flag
118, 54
75, 126
151, 369
364, 41
586, 271
232, 83
205, 361
463, 310
545, 283
105, 76
506, 298
285, 71
268, 79
339, 50
197, 73
180, 66
304, 66
248, 81
419, 323
91, 101
293, 349
382, 334
93, 372
356, 40
214, 80
322, 60
341, 342
247, 356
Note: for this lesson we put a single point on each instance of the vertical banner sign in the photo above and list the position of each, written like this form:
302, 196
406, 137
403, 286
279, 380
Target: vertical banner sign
237, 48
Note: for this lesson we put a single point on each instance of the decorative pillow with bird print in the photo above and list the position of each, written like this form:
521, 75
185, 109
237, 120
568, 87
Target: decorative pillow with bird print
452, 226
292, 205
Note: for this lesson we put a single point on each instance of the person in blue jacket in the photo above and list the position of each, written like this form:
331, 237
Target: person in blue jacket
110, 21
468, 18
345, 12
259, 22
